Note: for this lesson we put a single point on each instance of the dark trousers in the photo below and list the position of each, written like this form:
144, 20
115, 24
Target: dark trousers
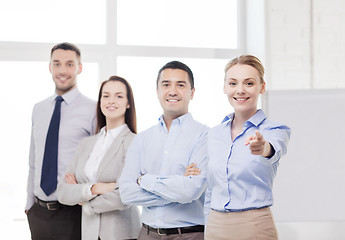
61, 224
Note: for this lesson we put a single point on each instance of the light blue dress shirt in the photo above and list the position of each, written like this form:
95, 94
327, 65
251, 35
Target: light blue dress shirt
238, 180
169, 199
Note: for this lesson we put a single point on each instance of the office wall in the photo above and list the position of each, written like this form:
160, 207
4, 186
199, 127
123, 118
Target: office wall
305, 50
305, 44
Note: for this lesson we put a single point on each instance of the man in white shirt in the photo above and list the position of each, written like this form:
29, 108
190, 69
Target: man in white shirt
49, 219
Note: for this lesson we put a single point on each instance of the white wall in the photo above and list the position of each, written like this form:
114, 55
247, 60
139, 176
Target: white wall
288, 44
305, 49
329, 43
305, 43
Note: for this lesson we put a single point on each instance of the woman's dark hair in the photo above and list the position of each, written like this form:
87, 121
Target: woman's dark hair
130, 114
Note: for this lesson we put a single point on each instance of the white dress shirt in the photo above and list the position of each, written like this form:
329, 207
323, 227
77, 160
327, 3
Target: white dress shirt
105, 139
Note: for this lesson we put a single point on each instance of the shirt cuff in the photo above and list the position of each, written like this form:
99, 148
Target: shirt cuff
148, 182
87, 191
274, 159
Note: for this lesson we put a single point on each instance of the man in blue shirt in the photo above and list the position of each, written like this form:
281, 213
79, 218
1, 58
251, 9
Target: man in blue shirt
165, 165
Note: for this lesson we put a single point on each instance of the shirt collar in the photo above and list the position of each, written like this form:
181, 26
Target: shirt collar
112, 132
228, 118
256, 119
179, 121
69, 96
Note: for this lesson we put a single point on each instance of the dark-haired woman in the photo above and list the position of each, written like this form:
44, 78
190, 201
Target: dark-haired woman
91, 179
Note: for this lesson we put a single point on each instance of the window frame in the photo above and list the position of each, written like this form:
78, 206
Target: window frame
106, 54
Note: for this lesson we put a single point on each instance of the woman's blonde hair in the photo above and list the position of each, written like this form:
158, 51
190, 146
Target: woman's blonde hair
248, 60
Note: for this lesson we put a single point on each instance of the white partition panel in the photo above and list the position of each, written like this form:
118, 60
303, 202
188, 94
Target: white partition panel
310, 182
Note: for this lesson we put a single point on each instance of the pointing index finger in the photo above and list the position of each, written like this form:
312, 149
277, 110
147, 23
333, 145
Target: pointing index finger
258, 135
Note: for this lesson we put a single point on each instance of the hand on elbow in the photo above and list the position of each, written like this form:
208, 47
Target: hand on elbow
102, 188
192, 170
70, 178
